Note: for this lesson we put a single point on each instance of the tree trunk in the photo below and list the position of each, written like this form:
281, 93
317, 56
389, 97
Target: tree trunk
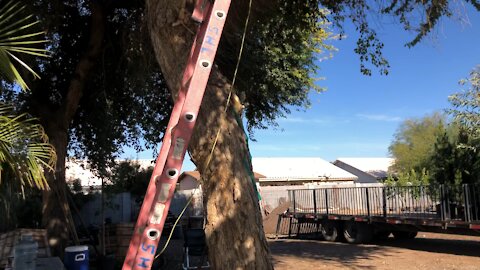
234, 227
56, 123
55, 203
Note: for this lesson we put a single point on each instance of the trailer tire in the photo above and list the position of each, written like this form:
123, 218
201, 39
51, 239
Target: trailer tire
381, 235
357, 232
404, 235
330, 230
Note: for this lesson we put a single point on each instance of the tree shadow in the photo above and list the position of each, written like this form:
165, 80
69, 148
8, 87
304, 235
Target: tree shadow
436, 245
348, 255
344, 254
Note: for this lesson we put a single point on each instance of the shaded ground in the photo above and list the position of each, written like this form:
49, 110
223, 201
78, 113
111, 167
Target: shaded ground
427, 251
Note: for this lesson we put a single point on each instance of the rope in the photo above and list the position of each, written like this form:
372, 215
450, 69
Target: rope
214, 145
176, 222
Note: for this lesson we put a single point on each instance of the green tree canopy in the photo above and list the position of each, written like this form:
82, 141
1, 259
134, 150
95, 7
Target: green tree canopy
456, 159
414, 141
124, 101
448, 150
466, 106
129, 176
453, 164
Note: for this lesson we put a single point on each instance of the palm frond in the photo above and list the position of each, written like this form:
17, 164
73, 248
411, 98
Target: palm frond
8, 71
11, 10
18, 29
18, 37
18, 22
24, 65
24, 148
9, 36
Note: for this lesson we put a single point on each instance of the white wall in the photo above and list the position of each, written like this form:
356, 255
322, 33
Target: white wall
118, 208
187, 183
180, 199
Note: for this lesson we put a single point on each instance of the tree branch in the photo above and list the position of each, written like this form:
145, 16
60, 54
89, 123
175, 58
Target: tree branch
86, 63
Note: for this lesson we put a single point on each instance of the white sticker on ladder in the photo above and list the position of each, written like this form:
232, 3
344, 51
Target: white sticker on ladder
157, 213
178, 148
160, 205
164, 190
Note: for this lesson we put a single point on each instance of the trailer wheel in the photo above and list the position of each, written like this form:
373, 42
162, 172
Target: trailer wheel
357, 232
404, 235
330, 230
381, 235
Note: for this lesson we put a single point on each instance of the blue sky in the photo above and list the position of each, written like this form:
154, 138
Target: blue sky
358, 115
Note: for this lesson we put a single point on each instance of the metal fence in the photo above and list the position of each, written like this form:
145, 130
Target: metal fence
423, 202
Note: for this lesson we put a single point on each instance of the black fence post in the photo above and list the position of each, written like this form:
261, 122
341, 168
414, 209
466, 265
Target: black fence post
314, 202
279, 222
326, 200
443, 203
294, 202
384, 195
368, 202
467, 208
290, 228
476, 203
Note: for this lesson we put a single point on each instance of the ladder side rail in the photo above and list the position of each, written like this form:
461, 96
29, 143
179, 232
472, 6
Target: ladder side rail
151, 189
162, 157
182, 134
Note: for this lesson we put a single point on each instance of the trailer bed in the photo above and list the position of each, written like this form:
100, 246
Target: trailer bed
414, 208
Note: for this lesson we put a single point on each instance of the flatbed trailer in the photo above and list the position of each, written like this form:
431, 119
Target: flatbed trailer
358, 214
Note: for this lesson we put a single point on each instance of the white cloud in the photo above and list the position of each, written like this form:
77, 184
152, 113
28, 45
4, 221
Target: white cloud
323, 120
292, 120
379, 117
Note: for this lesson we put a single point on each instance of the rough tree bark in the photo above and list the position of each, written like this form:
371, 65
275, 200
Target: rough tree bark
56, 123
234, 227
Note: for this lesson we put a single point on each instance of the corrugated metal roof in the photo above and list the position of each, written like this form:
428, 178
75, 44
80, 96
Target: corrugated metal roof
299, 168
377, 167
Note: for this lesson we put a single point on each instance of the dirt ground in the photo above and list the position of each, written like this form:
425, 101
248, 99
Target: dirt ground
427, 251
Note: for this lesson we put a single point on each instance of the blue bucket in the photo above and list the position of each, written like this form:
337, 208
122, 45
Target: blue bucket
76, 258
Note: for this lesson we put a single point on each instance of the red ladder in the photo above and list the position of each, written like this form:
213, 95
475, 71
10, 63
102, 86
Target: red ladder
156, 203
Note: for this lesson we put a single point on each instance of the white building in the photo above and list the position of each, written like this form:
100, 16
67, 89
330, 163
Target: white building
119, 208
300, 171
79, 169
284, 173
189, 185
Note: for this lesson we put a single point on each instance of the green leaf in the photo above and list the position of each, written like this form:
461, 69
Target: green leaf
24, 148
16, 39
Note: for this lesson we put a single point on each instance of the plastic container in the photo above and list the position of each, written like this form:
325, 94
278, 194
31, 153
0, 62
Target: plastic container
25, 253
76, 258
